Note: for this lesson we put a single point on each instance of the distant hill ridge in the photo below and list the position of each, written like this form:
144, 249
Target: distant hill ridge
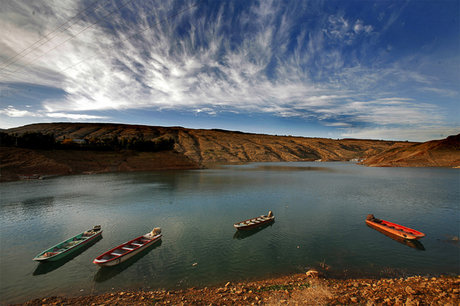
198, 148
220, 146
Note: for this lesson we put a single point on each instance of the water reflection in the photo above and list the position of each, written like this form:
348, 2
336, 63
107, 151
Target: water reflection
27, 205
290, 168
247, 233
46, 267
106, 273
410, 243
253, 167
451, 239
37, 203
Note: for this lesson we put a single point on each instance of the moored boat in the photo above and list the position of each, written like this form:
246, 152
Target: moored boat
70, 245
393, 228
255, 222
128, 249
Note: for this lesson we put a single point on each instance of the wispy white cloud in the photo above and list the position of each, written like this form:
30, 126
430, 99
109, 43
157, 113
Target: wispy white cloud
344, 30
402, 133
441, 91
390, 111
74, 116
267, 64
338, 124
11, 111
359, 27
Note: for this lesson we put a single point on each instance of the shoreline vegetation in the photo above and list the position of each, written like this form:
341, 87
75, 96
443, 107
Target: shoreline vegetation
55, 149
297, 289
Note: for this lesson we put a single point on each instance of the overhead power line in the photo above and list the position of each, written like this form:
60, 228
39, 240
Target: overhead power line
71, 37
45, 38
127, 38
137, 33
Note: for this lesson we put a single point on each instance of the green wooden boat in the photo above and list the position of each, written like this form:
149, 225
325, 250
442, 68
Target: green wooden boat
72, 244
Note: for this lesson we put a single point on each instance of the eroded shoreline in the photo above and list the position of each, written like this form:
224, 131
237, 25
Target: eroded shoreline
296, 289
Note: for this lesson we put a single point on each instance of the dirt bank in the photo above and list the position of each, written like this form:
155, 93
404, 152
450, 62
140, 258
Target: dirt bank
435, 153
299, 289
17, 163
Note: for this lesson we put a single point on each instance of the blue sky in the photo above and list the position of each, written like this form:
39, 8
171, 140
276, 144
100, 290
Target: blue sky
362, 69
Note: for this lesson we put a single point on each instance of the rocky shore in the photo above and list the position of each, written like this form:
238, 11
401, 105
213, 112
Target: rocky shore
298, 289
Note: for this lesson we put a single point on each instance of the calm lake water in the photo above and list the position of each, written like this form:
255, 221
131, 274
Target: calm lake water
319, 208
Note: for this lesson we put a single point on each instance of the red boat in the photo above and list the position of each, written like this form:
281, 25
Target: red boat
393, 228
254, 222
128, 249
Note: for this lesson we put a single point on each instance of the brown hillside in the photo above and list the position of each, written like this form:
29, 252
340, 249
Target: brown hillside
211, 146
192, 149
16, 163
219, 146
435, 153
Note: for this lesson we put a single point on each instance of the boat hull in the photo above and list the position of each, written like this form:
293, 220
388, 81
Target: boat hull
60, 251
395, 229
253, 223
127, 255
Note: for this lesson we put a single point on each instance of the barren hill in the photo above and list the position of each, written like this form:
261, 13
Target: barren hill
218, 146
197, 148
435, 153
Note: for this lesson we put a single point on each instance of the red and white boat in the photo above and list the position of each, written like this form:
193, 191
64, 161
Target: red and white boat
128, 249
393, 228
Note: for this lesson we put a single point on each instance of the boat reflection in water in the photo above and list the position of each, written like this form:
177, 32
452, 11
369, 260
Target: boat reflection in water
245, 234
48, 266
106, 273
409, 242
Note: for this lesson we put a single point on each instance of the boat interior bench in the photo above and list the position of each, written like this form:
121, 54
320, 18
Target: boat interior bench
118, 252
108, 257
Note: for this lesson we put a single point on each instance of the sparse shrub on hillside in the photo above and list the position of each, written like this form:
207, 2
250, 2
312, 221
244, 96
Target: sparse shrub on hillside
32, 140
159, 144
7, 140
48, 142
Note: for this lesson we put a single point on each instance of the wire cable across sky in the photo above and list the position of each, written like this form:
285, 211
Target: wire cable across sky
70, 38
46, 38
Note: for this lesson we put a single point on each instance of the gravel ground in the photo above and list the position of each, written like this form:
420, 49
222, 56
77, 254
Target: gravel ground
298, 289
